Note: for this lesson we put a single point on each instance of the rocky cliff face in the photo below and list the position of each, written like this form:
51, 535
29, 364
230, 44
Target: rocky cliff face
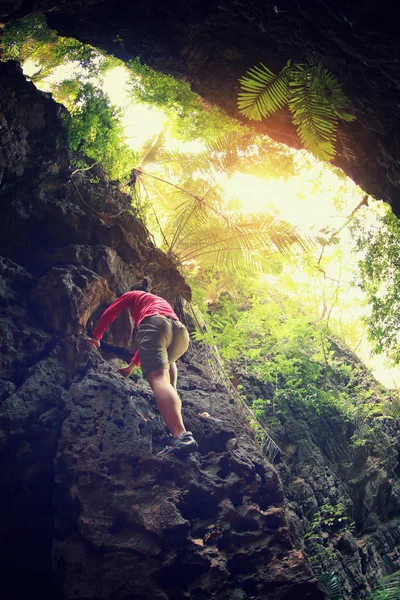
211, 44
87, 509
342, 479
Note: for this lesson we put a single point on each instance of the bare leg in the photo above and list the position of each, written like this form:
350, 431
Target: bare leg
168, 402
173, 374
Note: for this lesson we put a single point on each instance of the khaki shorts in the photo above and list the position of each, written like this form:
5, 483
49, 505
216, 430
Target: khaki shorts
160, 341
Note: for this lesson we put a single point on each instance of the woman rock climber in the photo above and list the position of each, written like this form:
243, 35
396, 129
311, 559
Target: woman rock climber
161, 339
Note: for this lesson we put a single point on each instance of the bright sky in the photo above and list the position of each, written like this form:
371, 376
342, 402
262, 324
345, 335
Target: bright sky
312, 199
140, 121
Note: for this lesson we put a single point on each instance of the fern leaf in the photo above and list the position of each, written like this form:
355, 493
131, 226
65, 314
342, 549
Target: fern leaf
388, 587
224, 153
175, 163
331, 90
346, 116
313, 115
331, 583
263, 92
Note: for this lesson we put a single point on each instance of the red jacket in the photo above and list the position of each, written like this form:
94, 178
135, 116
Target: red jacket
141, 305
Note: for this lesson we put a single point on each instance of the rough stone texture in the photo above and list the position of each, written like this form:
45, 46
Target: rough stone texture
66, 297
211, 525
211, 44
324, 466
21, 146
41, 211
22, 341
100, 259
87, 510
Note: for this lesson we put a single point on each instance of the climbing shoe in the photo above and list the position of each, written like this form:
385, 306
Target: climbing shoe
184, 444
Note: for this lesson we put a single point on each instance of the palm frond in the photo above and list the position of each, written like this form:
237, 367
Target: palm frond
226, 153
241, 238
331, 583
206, 195
263, 92
176, 163
151, 148
388, 588
223, 154
194, 205
331, 89
312, 114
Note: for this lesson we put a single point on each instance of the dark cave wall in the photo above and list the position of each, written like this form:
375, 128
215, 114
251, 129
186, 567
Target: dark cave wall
212, 44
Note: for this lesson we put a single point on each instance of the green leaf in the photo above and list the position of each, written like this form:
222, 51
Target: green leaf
313, 113
388, 587
331, 583
263, 92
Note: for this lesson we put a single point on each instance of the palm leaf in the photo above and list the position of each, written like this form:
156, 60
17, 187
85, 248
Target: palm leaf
331, 583
151, 148
388, 588
238, 238
331, 90
313, 115
263, 92
193, 205
197, 221
226, 153
175, 163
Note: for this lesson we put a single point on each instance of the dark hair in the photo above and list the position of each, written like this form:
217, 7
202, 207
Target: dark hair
142, 286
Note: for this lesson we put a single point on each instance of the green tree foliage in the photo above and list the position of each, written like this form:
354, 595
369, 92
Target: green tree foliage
236, 151
190, 117
21, 38
93, 124
31, 38
95, 130
67, 91
313, 95
197, 221
270, 337
379, 278
330, 518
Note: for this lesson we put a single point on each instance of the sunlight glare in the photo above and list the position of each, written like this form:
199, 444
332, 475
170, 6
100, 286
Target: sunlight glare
140, 121
292, 200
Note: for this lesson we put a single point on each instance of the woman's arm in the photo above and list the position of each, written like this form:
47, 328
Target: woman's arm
135, 359
110, 314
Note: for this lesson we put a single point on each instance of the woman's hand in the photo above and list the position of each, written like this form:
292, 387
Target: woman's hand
93, 342
126, 371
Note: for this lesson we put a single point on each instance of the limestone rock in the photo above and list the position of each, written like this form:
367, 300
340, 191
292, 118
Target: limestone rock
22, 341
65, 298
104, 261
84, 496
210, 524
